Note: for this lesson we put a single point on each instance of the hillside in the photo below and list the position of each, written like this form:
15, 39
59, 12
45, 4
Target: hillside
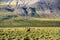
33, 13
44, 8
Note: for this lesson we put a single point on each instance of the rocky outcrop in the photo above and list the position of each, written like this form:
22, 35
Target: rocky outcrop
45, 8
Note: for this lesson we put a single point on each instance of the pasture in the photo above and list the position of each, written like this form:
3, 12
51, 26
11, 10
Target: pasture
35, 33
9, 20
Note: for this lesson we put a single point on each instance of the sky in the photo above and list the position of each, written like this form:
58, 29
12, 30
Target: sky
4, 0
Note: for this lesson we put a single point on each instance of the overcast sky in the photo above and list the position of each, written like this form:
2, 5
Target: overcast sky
4, 0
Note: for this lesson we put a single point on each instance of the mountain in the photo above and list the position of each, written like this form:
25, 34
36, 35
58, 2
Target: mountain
35, 3
44, 7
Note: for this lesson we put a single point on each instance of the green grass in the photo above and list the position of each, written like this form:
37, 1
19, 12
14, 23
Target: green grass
10, 20
33, 34
14, 22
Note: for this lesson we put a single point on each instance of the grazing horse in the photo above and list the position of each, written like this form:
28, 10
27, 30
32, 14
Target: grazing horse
28, 29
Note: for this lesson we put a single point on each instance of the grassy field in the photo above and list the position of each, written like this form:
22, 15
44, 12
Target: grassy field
16, 27
35, 33
10, 20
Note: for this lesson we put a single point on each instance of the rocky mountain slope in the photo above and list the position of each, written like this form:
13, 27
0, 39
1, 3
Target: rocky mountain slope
47, 8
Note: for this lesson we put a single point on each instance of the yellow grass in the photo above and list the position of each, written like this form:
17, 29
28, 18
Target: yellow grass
46, 19
32, 28
42, 33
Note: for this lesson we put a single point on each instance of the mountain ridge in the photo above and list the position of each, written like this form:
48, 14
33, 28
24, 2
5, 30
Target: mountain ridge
45, 7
